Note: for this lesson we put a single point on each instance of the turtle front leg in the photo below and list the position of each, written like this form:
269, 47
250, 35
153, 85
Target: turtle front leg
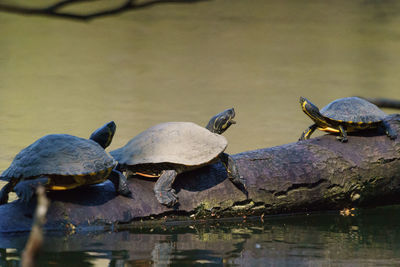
233, 173
389, 130
26, 189
163, 190
308, 132
343, 134
120, 183
4, 192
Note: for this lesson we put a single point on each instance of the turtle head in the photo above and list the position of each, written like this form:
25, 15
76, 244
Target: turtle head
311, 110
222, 121
104, 135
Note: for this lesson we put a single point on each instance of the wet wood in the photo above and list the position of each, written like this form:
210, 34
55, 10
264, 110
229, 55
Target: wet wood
316, 174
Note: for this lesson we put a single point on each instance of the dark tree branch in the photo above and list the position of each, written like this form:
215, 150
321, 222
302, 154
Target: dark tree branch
35, 239
53, 10
385, 102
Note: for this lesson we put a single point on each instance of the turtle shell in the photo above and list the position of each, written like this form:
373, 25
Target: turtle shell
353, 110
59, 155
182, 143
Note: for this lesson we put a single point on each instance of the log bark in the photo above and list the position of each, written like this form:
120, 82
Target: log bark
316, 174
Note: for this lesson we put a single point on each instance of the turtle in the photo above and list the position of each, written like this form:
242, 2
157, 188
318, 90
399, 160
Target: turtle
349, 114
62, 162
168, 149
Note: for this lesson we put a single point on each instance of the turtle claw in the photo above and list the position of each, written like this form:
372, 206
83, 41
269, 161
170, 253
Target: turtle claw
341, 139
167, 198
173, 192
392, 136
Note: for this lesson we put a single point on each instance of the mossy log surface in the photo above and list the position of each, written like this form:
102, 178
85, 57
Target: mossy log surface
316, 174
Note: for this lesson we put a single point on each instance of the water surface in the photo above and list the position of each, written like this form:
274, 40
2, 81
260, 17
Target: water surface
188, 62
368, 238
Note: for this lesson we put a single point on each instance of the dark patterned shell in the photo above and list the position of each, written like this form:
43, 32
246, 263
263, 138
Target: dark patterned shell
183, 143
353, 109
59, 154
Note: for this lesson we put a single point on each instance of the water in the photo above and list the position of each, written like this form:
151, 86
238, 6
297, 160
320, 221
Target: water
366, 239
187, 62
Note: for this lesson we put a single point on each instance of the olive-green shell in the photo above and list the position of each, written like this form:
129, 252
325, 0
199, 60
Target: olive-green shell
353, 109
59, 154
182, 143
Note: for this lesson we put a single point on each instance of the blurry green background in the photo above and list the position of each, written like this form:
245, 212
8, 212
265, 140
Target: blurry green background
187, 62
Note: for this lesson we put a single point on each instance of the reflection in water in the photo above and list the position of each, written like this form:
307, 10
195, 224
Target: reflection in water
162, 253
368, 238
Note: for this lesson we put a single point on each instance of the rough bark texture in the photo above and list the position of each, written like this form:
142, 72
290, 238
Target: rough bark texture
316, 174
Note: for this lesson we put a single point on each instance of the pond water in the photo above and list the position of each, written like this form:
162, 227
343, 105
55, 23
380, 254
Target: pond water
187, 62
368, 238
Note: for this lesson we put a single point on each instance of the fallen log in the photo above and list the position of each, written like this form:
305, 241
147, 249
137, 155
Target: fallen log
316, 174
